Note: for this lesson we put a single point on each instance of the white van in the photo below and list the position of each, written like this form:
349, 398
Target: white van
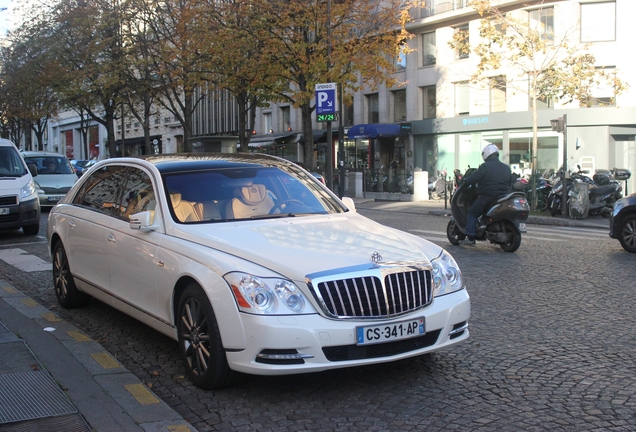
19, 204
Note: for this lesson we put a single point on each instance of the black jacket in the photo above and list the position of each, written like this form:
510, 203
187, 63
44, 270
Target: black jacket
493, 177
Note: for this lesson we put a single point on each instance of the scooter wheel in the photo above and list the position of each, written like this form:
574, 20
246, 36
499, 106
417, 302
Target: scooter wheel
453, 233
513, 238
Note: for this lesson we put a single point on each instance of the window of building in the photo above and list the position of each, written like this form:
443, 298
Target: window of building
373, 108
598, 22
462, 36
429, 49
347, 115
542, 20
157, 120
429, 102
603, 94
399, 62
267, 122
498, 94
285, 118
462, 98
399, 105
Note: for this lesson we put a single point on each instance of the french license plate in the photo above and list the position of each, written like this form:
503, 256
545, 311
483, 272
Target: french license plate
390, 332
4, 210
522, 228
55, 198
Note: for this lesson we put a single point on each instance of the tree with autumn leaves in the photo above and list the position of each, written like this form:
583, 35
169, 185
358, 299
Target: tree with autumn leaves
545, 65
260, 51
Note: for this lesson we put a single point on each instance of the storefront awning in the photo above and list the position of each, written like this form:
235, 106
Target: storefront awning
376, 130
269, 139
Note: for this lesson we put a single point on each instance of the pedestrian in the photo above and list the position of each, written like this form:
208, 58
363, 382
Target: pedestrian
492, 179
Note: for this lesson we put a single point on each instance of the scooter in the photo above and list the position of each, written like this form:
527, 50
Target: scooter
503, 222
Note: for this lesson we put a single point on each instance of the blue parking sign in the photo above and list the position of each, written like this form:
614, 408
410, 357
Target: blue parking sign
326, 98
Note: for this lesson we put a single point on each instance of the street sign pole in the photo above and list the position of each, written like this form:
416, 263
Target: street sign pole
326, 111
341, 152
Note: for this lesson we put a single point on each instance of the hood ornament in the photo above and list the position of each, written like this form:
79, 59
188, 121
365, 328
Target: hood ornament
376, 258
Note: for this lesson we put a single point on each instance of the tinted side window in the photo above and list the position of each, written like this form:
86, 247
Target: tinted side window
102, 190
138, 194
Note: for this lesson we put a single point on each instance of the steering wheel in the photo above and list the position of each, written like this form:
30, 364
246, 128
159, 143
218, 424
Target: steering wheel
279, 205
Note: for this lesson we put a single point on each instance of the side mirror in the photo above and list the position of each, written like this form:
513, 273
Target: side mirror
33, 169
349, 203
142, 221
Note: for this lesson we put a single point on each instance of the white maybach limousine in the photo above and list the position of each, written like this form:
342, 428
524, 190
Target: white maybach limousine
252, 265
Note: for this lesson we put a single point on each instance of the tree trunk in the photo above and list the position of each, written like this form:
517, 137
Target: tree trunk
309, 157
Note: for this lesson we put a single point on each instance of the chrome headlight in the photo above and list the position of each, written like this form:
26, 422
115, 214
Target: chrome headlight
27, 190
447, 277
267, 296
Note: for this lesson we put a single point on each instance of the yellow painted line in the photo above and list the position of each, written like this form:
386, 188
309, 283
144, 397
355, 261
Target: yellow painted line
29, 302
80, 337
105, 360
142, 394
10, 289
179, 428
50, 317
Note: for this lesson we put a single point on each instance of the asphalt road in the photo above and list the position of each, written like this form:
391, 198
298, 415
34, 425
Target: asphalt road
552, 348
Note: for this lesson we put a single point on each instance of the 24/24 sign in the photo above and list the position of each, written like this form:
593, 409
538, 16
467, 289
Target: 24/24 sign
326, 98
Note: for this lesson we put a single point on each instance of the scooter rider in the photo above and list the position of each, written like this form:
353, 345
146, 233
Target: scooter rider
493, 179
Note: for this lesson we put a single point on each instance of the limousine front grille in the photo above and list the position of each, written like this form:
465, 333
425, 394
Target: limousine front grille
370, 297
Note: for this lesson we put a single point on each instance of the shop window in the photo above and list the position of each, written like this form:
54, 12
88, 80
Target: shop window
373, 108
399, 105
598, 22
462, 36
498, 94
462, 98
542, 21
429, 102
429, 49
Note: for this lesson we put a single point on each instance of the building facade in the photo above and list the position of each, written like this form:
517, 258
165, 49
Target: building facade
438, 120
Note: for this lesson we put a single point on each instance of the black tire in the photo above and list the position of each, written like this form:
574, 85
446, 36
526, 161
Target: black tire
68, 296
453, 233
627, 233
200, 341
31, 230
513, 236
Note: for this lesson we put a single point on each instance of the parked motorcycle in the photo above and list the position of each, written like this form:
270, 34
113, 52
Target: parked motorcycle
439, 188
587, 196
502, 223
380, 182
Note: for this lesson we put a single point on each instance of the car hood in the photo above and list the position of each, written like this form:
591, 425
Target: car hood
57, 181
297, 246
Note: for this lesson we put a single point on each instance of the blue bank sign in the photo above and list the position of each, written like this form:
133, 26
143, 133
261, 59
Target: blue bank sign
326, 98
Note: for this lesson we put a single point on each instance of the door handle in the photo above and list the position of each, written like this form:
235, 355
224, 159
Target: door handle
71, 224
111, 238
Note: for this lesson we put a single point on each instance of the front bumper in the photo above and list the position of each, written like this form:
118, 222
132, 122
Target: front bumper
22, 214
323, 344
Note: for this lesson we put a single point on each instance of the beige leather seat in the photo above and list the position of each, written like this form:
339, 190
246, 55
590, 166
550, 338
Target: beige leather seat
249, 201
186, 211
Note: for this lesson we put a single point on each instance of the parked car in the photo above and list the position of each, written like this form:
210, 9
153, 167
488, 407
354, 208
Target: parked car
252, 266
55, 176
81, 166
623, 222
19, 205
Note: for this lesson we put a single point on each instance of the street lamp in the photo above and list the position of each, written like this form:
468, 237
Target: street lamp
561, 125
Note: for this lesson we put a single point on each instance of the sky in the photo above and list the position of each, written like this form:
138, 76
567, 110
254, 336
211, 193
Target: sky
4, 16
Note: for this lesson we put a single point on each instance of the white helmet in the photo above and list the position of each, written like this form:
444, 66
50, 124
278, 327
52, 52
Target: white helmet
489, 150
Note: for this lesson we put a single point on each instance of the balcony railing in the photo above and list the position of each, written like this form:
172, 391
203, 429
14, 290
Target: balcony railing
433, 7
